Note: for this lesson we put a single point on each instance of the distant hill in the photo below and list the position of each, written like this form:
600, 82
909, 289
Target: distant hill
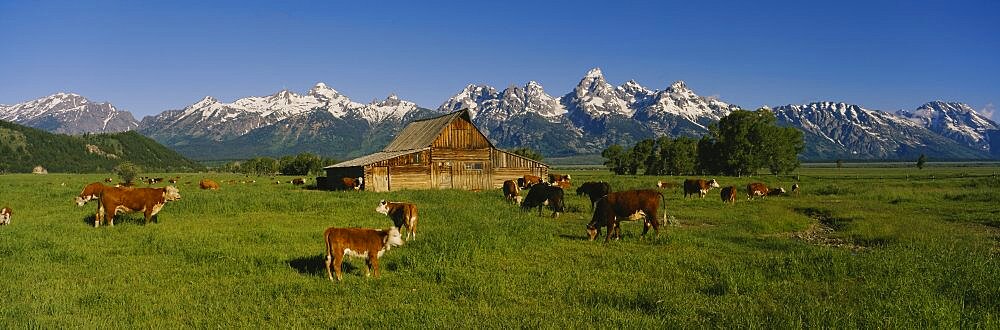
23, 148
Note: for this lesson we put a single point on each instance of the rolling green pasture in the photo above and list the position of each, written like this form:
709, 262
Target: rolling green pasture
858, 247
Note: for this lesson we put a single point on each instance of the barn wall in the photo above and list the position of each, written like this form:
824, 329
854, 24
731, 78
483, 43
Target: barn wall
508, 166
461, 134
410, 177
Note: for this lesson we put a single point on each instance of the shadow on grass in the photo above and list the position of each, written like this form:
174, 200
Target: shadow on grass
122, 219
316, 265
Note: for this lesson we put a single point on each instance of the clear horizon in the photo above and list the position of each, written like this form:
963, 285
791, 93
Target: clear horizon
148, 58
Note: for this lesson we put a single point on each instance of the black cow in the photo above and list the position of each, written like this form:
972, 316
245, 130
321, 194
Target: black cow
594, 190
544, 194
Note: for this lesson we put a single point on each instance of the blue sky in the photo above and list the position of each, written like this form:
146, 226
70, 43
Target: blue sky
149, 57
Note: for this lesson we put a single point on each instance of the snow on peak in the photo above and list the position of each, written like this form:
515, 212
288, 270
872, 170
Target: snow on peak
594, 73
678, 86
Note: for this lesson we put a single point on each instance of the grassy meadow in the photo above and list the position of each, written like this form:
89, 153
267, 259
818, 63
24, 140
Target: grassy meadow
857, 247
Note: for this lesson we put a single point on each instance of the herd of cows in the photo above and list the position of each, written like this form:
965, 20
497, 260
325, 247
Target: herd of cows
609, 209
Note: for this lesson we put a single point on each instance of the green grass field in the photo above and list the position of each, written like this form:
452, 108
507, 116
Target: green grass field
858, 247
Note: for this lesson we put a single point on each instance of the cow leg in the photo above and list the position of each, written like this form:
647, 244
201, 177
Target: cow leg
328, 262
611, 231
148, 215
368, 266
338, 262
373, 261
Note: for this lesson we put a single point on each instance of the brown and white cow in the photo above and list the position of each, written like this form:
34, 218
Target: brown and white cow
109, 180
776, 191
511, 192
565, 185
149, 201
728, 194
755, 189
553, 178
594, 190
402, 215
93, 191
795, 188
208, 184
545, 194
365, 243
665, 184
5, 216
699, 186
352, 183
298, 181
527, 181
623, 205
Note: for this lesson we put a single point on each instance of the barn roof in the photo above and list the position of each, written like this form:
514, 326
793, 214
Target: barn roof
419, 135
422, 133
375, 157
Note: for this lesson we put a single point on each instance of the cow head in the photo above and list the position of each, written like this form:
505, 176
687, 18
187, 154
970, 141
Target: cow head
591, 232
360, 182
171, 193
394, 238
567, 177
383, 207
81, 200
712, 183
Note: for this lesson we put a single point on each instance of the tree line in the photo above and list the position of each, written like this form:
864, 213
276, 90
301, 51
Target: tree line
740, 144
302, 164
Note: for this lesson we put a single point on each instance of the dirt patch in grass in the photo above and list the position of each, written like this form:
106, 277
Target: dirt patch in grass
821, 231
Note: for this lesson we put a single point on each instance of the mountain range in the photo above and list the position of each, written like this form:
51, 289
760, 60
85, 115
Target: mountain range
594, 115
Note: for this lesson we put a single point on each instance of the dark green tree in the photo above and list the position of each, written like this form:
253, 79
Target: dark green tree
920, 161
127, 171
614, 159
527, 153
785, 145
638, 155
680, 157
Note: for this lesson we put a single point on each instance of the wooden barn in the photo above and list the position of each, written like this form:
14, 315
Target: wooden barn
445, 152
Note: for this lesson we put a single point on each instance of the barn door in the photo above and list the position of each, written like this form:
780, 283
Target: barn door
472, 176
444, 179
378, 179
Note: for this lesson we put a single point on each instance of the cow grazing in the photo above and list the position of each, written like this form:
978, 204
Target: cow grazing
90, 192
5, 216
369, 244
623, 205
544, 194
402, 215
665, 184
795, 188
776, 191
511, 192
298, 181
698, 186
149, 201
109, 180
729, 194
755, 189
594, 190
565, 185
208, 184
528, 181
352, 183
553, 178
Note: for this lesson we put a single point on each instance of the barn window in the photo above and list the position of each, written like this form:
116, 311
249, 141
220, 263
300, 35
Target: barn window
416, 158
474, 165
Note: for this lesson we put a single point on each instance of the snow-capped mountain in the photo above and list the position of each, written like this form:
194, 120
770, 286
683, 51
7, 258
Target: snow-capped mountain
279, 123
956, 121
69, 113
589, 118
841, 130
218, 121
